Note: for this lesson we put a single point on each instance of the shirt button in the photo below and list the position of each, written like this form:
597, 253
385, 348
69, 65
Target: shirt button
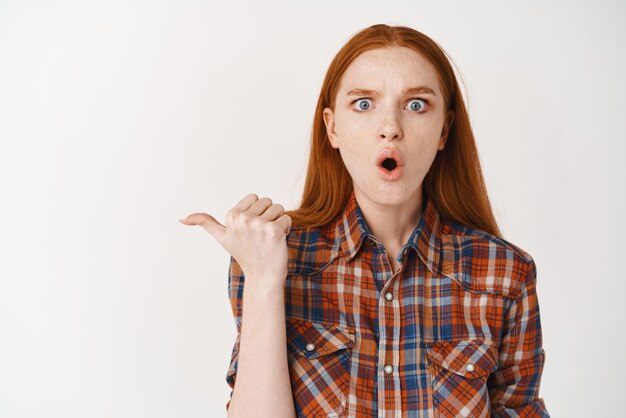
469, 367
388, 369
389, 296
310, 347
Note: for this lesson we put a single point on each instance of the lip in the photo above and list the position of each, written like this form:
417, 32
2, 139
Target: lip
396, 174
388, 152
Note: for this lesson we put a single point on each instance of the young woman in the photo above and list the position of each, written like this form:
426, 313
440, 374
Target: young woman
390, 291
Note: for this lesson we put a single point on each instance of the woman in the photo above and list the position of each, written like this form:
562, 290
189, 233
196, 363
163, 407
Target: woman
393, 294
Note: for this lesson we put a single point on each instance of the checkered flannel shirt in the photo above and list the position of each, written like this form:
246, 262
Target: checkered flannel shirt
455, 332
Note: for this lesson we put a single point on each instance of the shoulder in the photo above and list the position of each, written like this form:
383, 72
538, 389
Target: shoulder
484, 262
312, 248
477, 237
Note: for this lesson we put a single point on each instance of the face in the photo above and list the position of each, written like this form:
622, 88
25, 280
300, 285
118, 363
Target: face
376, 111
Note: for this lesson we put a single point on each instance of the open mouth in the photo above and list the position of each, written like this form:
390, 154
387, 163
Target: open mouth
389, 164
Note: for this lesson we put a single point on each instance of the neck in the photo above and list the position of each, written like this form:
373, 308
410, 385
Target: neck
392, 224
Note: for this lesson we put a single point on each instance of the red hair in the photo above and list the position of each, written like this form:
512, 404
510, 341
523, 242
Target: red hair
454, 181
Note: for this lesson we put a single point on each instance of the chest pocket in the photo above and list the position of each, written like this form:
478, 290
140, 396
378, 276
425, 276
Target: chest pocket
319, 357
459, 371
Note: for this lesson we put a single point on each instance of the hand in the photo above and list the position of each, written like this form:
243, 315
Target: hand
254, 235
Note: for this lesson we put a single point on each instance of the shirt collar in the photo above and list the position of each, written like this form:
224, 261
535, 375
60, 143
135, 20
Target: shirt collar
425, 238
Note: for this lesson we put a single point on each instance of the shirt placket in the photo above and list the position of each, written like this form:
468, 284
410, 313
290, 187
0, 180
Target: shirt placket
389, 326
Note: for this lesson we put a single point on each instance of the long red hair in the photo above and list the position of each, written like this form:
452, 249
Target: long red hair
454, 182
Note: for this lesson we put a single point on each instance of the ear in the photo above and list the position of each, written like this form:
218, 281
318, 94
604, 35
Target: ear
329, 121
446, 130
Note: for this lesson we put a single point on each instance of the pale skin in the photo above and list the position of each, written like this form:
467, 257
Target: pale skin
417, 124
254, 235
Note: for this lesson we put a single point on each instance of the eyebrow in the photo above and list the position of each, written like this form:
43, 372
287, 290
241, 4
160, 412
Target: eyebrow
410, 90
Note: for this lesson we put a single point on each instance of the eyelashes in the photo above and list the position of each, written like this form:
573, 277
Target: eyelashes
421, 109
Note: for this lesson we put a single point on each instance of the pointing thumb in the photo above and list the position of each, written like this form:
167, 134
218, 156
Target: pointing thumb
209, 223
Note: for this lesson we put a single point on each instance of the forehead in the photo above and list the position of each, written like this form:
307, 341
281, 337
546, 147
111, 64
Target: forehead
389, 67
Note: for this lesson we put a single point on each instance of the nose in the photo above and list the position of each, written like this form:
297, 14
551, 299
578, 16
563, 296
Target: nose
390, 130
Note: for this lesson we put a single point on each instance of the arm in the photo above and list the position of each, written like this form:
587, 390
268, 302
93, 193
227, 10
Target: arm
514, 386
259, 363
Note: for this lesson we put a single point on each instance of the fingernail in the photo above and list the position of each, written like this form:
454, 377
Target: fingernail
182, 221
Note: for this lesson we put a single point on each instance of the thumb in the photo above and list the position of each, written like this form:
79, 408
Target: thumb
209, 223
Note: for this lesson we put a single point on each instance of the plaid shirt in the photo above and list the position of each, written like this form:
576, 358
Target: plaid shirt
455, 332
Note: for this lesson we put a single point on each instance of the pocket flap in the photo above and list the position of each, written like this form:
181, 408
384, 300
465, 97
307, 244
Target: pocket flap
468, 358
314, 339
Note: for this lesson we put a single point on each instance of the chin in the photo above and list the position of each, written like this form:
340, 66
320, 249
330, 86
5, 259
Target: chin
388, 194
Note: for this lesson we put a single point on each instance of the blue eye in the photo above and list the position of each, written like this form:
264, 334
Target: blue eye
361, 107
417, 107
415, 104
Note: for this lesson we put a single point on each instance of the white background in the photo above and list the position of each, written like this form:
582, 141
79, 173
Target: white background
118, 118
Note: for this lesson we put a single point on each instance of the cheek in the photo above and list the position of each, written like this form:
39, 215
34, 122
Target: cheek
352, 136
354, 156
423, 152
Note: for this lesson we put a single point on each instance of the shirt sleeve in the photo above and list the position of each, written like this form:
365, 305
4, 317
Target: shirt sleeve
235, 295
514, 386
